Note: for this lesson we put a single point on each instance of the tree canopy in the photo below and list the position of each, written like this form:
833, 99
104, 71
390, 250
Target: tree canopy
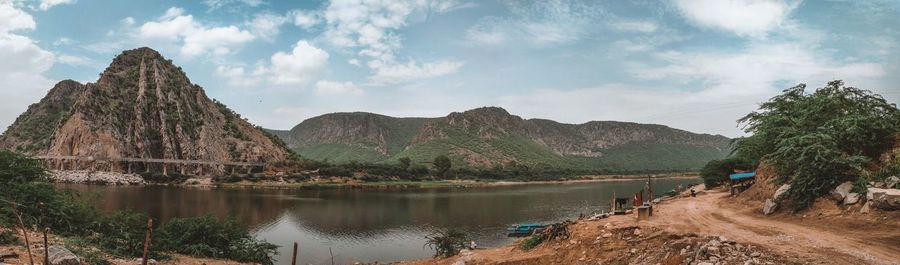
818, 140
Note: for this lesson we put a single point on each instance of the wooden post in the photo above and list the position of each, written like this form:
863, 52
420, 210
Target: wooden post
147, 241
294, 256
165, 169
128, 164
232, 169
146, 167
46, 247
182, 168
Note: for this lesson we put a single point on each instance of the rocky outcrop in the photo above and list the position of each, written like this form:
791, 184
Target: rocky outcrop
62, 256
885, 199
769, 207
841, 191
142, 106
95, 177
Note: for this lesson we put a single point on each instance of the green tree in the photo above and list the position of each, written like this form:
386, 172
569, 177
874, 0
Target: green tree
15, 167
818, 140
446, 243
442, 164
405, 162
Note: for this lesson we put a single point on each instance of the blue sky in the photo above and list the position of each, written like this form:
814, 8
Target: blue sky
692, 64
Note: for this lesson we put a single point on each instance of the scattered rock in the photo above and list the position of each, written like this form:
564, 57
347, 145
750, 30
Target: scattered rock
637, 232
149, 261
95, 177
885, 199
62, 256
780, 192
7, 255
755, 254
769, 207
607, 235
892, 182
851, 198
841, 191
866, 207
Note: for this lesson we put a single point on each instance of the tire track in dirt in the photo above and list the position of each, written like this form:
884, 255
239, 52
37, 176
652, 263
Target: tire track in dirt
703, 215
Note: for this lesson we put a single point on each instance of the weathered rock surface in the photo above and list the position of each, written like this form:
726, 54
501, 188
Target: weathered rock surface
892, 182
95, 177
841, 191
62, 256
769, 207
852, 198
142, 106
780, 192
885, 199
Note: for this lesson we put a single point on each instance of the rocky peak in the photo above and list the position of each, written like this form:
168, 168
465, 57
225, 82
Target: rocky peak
144, 106
488, 122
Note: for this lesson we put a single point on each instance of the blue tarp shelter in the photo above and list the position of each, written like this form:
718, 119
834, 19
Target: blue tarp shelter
739, 176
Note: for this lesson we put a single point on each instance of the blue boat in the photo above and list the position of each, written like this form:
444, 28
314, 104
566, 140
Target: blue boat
739, 176
522, 230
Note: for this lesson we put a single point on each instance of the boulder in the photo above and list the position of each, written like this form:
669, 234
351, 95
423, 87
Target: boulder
892, 182
62, 256
851, 198
885, 199
769, 207
780, 192
839, 193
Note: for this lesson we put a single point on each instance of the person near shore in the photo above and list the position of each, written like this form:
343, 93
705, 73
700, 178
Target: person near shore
472, 245
693, 194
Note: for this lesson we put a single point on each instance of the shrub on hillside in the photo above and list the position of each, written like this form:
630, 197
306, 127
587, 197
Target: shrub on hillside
818, 140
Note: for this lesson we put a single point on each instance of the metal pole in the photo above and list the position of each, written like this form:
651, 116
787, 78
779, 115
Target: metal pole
294, 256
147, 240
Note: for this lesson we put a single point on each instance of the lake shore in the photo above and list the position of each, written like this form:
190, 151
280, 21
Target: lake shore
424, 184
711, 228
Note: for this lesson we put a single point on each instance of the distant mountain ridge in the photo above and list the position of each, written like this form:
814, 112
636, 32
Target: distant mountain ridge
491, 136
142, 106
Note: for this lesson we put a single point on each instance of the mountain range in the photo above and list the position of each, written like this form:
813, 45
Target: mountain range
490, 136
143, 106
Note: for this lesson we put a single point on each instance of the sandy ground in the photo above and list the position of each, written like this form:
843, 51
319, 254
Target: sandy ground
826, 235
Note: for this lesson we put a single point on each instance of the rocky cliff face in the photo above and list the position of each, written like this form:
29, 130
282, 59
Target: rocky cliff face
32, 131
142, 106
489, 136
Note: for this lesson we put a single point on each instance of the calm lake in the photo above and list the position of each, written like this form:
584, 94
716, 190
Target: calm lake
368, 225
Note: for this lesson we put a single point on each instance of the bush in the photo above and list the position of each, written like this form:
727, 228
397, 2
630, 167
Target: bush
121, 233
716, 171
446, 243
66, 212
532, 242
819, 140
208, 237
15, 167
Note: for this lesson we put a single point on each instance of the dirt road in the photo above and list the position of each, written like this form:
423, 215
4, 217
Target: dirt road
807, 239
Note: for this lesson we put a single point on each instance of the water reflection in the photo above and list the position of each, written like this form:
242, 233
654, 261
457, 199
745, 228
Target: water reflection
371, 225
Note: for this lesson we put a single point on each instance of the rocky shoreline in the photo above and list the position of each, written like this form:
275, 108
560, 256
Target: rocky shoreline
95, 177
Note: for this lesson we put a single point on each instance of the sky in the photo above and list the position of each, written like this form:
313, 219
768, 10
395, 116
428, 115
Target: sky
696, 65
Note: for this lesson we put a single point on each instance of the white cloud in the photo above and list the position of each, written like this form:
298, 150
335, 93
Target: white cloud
266, 26
22, 64
74, 60
370, 28
13, 18
325, 87
128, 21
399, 73
354, 62
752, 18
47, 4
539, 23
303, 64
636, 25
239, 77
216, 4
305, 18
194, 38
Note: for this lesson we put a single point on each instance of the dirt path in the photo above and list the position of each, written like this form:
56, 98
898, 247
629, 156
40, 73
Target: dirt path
712, 213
